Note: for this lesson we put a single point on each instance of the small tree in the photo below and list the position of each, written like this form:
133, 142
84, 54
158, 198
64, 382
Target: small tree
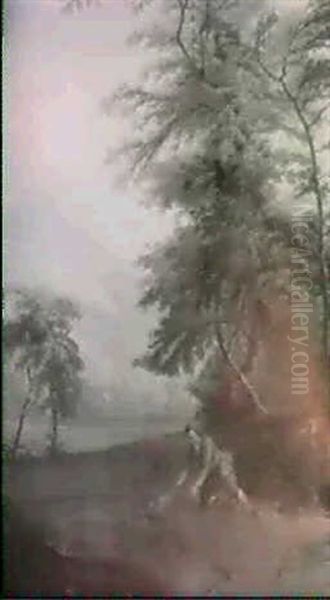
38, 338
24, 336
60, 374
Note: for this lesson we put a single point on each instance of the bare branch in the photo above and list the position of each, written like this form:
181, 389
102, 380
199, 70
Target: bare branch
204, 28
318, 115
315, 182
199, 71
183, 5
239, 374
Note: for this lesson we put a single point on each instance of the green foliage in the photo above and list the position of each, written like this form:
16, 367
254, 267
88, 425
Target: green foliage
38, 337
222, 118
207, 273
300, 77
6, 452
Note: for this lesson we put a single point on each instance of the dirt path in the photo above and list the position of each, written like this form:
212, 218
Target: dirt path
97, 509
231, 551
212, 550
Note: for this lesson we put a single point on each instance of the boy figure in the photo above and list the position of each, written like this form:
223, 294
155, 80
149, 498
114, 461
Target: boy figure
213, 461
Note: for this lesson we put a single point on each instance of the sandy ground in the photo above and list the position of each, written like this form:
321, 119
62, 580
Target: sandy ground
105, 505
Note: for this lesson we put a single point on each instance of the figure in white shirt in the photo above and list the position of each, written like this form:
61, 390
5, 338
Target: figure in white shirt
212, 461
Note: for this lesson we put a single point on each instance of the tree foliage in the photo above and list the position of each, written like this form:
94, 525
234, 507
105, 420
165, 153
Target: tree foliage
204, 118
202, 153
225, 116
38, 337
298, 92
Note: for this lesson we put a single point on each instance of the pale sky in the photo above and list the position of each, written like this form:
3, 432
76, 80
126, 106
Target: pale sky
66, 224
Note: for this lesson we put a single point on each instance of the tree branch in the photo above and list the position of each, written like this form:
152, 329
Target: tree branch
319, 202
316, 187
183, 5
199, 71
239, 374
318, 116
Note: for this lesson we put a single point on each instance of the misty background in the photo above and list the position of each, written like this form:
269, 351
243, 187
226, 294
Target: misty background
67, 225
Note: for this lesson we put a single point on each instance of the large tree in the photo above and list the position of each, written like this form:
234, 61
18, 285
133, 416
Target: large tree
203, 153
224, 117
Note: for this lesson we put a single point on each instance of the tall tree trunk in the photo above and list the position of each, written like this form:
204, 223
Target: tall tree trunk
252, 346
54, 431
316, 189
241, 377
19, 428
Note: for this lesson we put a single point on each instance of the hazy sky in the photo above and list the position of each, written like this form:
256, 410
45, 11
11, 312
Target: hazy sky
66, 224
